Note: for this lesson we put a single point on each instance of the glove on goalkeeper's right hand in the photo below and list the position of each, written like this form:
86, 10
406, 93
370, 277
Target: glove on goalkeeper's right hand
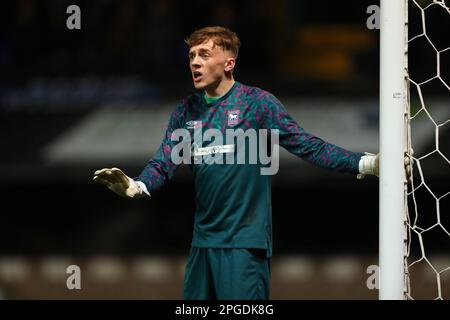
118, 182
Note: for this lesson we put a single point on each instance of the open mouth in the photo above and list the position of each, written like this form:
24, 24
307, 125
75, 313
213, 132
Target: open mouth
196, 75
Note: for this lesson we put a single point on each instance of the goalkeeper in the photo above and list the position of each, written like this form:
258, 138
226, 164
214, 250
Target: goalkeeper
232, 239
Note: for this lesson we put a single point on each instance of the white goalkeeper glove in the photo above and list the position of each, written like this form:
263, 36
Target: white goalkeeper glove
369, 164
120, 183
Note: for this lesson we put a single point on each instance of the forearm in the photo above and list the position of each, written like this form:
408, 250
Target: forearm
320, 153
155, 174
273, 115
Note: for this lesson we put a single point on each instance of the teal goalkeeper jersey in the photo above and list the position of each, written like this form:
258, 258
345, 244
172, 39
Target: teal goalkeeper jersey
233, 197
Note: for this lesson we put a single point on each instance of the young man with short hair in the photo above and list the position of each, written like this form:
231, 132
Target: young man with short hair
232, 239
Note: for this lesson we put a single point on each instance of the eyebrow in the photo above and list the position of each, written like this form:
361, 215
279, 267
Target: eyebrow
201, 50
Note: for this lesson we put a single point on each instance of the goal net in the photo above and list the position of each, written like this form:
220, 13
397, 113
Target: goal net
427, 193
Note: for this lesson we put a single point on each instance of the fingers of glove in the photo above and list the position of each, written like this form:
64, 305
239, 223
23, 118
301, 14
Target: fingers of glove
408, 167
100, 180
113, 175
101, 171
105, 174
407, 161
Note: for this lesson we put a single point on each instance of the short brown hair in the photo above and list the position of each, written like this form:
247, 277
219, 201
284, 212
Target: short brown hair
221, 36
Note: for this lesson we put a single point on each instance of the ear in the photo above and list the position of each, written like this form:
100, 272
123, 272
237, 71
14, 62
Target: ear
229, 64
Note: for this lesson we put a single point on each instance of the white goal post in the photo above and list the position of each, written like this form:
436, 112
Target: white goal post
393, 97
409, 223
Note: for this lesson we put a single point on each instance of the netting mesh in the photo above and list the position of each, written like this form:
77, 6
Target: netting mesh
427, 256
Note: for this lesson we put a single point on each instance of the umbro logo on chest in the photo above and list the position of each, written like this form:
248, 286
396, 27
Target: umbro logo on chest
193, 124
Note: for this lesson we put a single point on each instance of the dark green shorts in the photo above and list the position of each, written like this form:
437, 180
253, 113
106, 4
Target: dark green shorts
227, 274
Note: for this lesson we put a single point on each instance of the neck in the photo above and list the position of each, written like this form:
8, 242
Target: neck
220, 89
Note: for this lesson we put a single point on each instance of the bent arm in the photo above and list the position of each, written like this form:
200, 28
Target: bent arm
161, 167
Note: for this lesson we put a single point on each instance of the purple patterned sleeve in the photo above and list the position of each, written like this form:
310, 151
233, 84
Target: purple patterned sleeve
161, 168
271, 114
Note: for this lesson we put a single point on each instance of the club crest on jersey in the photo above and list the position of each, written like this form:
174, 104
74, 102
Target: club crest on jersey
193, 124
233, 117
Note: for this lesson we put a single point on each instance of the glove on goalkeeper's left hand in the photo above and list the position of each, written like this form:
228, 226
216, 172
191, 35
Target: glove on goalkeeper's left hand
369, 164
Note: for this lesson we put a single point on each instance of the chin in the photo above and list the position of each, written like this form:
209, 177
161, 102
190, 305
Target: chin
199, 86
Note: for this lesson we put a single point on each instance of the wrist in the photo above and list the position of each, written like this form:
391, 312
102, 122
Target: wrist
368, 164
141, 187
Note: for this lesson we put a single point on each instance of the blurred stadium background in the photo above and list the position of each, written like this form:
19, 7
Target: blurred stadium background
74, 101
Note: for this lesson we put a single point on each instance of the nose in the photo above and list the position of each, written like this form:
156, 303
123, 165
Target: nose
195, 62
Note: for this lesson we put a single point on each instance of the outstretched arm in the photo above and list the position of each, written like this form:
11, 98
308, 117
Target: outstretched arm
273, 115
